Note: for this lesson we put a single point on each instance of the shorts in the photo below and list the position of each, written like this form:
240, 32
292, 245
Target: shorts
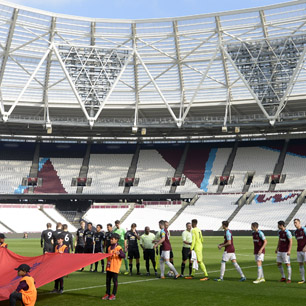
161, 250
165, 255
133, 253
228, 256
49, 248
301, 256
148, 254
98, 250
79, 249
260, 257
89, 249
186, 253
282, 257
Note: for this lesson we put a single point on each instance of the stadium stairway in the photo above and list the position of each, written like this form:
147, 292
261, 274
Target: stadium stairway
180, 168
299, 202
246, 198
184, 205
47, 215
84, 168
35, 162
133, 167
132, 205
229, 165
280, 163
9, 229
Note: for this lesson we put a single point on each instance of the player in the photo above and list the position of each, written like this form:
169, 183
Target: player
2, 241
80, 240
165, 255
229, 253
113, 267
46, 240
99, 237
26, 291
300, 235
186, 252
121, 232
131, 246
89, 241
57, 233
161, 247
283, 251
108, 235
197, 246
147, 244
68, 238
260, 243
60, 248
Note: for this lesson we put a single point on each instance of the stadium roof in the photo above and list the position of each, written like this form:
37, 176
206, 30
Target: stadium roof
186, 76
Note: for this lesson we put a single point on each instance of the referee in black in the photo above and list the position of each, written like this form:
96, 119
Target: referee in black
46, 240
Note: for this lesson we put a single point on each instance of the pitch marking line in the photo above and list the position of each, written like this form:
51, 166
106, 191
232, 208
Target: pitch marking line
154, 279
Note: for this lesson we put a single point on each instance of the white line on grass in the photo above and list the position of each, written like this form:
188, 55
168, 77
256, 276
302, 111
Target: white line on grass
154, 279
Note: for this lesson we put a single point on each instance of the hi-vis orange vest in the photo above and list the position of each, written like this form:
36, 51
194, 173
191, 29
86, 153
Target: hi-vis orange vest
29, 297
59, 249
3, 245
114, 261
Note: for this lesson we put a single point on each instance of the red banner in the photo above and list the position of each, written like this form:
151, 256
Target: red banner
45, 268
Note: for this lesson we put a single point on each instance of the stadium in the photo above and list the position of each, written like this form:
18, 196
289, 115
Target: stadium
157, 119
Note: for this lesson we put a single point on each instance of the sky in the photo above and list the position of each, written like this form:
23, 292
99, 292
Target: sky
140, 9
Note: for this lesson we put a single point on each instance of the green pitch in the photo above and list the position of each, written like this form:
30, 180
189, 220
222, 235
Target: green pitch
87, 288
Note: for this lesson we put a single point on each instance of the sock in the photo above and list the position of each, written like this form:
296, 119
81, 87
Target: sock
190, 268
222, 269
148, 266
171, 267
131, 267
289, 270
259, 272
138, 267
162, 267
126, 264
302, 272
102, 263
281, 270
96, 265
154, 265
182, 268
238, 269
91, 267
203, 268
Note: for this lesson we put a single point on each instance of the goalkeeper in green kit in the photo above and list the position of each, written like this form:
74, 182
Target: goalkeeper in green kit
197, 246
121, 232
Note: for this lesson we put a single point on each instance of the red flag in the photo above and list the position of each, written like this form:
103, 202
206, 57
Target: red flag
45, 268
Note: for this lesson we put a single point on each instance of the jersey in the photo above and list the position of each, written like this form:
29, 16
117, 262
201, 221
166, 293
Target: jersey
114, 261
166, 245
300, 235
197, 239
187, 236
29, 296
229, 237
107, 240
99, 238
68, 240
284, 240
46, 237
3, 245
80, 237
89, 237
61, 249
132, 240
147, 241
121, 233
258, 240
55, 235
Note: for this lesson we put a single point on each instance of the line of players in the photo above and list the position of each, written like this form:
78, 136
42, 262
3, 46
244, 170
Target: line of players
90, 241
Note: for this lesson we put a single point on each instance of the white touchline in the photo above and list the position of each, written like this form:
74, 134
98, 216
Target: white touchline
154, 279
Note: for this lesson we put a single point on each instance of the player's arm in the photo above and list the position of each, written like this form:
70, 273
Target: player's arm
125, 242
141, 242
228, 241
159, 242
265, 242
193, 241
71, 242
76, 239
289, 236
42, 240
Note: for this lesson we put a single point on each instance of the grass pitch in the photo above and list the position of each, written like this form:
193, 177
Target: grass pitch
87, 288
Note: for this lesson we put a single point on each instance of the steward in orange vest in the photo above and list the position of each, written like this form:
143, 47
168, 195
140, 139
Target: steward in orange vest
113, 266
2, 243
26, 290
60, 248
